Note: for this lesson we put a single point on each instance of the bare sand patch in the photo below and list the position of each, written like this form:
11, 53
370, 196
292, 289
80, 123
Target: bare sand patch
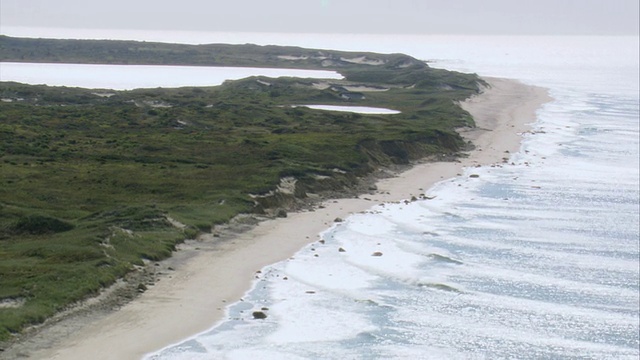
321, 85
363, 60
292, 58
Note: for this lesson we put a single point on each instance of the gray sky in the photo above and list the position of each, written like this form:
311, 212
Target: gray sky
565, 17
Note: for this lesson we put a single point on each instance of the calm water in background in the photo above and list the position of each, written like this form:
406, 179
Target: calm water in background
534, 260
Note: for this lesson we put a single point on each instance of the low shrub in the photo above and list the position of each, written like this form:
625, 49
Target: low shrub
39, 224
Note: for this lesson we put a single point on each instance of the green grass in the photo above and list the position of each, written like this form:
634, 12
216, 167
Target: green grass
86, 182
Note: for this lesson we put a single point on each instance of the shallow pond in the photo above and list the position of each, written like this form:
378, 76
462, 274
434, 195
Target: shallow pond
355, 109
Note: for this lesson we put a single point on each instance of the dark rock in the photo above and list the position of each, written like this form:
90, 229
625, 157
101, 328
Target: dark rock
259, 315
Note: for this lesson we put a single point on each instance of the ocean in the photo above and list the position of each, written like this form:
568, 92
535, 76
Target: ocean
536, 260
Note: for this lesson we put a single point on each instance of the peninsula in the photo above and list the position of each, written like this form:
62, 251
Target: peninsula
100, 185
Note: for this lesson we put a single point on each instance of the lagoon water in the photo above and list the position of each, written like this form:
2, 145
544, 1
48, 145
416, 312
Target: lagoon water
127, 77
536, 260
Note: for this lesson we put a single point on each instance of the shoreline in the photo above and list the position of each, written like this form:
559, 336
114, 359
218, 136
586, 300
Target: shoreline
193, 298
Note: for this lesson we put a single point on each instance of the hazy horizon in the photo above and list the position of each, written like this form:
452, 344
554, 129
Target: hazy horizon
468, 17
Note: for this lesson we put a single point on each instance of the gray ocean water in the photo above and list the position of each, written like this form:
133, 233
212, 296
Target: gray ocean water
535, 260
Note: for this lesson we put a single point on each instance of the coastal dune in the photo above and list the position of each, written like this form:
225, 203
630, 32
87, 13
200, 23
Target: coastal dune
212, 274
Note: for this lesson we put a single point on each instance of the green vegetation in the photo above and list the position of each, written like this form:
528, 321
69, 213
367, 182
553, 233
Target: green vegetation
150, 53
87, 181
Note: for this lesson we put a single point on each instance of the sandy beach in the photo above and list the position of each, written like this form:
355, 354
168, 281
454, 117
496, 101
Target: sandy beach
210, 274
